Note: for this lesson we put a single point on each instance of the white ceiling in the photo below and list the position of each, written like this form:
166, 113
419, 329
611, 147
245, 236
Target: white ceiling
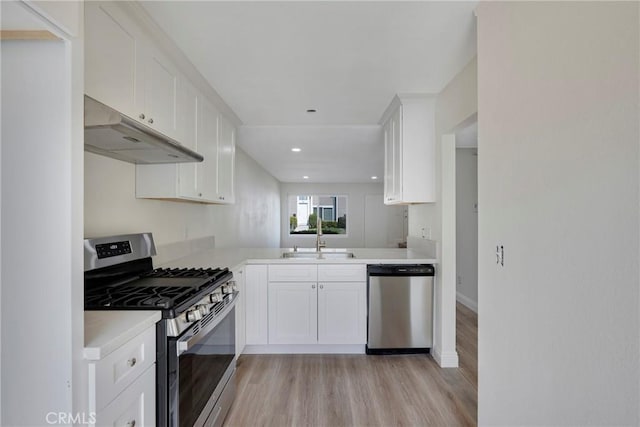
271, 61
15, 16
337, 154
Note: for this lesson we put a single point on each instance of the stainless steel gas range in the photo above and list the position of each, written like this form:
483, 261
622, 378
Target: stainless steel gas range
195, 360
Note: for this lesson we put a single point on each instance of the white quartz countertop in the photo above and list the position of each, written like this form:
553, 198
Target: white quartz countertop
234, 257
105, 331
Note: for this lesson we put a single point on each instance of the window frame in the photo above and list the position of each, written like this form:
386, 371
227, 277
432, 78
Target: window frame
310, 196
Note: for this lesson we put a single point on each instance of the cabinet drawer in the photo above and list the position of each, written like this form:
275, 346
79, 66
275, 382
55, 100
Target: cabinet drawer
342, 273
293, 273
111, 375
135, 406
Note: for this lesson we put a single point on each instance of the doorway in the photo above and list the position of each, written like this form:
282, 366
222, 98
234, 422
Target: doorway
466, 190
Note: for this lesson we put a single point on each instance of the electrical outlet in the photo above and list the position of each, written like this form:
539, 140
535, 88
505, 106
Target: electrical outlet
459, 280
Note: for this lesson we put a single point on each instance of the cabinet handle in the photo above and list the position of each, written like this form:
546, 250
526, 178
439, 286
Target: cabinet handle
142, 116
321, 286
132, 362
199, 194
150, 120
313, 286
131, 423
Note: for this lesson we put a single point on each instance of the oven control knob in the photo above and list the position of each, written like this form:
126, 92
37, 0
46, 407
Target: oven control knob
204, 309
216, 296
228, 287
193, 315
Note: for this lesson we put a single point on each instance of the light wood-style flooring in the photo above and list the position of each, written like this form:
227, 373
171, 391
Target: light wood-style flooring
359, 390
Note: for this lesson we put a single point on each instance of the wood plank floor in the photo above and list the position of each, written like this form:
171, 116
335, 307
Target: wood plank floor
359, 390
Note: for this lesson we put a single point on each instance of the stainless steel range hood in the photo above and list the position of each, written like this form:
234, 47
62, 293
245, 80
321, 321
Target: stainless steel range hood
110, 133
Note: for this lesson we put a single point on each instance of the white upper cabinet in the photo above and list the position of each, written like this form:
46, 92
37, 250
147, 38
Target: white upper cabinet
160, 83
226, 160
129, 71
113, 74
124, 70
187, 99
409, 139
207, 171
199, 182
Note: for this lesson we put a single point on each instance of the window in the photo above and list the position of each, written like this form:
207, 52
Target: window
305, 209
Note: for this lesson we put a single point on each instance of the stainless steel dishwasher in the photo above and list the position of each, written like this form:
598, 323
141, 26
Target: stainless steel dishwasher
400, 308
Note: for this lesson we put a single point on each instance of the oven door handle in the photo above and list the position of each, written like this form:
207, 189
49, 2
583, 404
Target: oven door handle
187, 342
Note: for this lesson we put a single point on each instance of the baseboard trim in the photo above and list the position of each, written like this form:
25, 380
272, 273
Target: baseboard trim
304, 349
447, 359
467, 302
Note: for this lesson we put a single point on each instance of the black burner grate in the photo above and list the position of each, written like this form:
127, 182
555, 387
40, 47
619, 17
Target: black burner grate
162, 288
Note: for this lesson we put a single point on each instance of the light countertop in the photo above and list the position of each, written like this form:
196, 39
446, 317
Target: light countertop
235, 257
105, 331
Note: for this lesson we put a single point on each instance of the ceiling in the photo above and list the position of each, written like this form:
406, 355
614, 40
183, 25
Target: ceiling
15, 16
271, 61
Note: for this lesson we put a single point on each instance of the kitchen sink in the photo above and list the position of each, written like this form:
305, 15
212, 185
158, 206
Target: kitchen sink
318, 255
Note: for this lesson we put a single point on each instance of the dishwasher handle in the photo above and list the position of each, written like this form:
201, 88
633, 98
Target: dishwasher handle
401, 270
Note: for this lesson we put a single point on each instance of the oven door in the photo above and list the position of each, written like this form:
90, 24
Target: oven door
202, 363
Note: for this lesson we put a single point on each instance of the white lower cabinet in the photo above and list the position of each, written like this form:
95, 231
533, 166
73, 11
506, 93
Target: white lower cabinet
293, 313
342, 313
135, 406
241, 337
332, 311
255, 283
122, 383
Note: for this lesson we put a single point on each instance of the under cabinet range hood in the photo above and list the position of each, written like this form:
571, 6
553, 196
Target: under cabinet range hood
111, 133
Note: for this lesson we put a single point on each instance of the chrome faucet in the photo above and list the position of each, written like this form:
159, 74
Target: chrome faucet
319, 243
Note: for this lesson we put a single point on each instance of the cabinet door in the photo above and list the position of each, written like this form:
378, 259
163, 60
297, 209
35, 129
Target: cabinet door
293, 313
135, 406
112, 73
238, 276
388, 162
207, 170
342, 313
226, 159
396, 129
161, 80
187, 123
256, 291
187, 98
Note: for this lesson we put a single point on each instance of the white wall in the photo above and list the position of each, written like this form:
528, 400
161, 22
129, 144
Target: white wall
558, 172
39, 281
456, 107
111, 207
255, 217
356, 217
467, 226
457, 102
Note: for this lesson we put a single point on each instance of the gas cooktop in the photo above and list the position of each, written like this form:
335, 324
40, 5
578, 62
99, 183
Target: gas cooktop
158, 289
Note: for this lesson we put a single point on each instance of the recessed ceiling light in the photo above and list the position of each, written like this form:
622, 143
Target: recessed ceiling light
296, 149
311, 110
305, 177
374, 177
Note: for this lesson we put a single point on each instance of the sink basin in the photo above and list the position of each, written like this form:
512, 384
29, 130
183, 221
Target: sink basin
318, 255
